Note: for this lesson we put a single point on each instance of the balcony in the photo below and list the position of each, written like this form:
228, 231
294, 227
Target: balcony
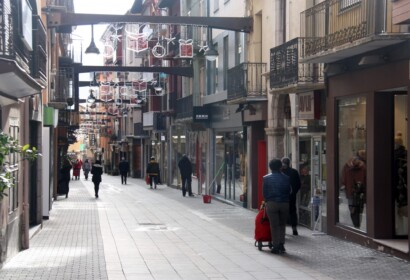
184, 108
62, 88
337, 29
39, 52
16, 78
246, 84
287, 74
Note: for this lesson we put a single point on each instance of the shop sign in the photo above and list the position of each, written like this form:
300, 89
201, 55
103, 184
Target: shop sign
309, 105
201, 114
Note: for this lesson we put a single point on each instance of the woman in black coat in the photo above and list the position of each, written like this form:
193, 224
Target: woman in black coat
97, 171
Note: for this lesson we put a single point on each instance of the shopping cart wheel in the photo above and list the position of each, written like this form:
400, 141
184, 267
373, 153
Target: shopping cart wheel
260, 245
270, 245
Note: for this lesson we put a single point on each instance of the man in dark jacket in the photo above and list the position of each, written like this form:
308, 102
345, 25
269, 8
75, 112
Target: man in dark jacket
124, 168
153, 172
276, 189
185, 168
97, 171
295, 184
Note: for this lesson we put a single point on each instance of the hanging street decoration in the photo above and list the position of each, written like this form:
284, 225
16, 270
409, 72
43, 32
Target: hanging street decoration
185, 48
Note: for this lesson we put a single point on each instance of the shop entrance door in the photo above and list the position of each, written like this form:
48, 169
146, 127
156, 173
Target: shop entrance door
318, 174
399, 172
312, 169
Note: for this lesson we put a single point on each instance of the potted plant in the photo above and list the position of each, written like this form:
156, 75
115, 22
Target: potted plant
9, 145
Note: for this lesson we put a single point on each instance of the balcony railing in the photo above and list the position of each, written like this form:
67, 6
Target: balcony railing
62, 88
39, 53
184, 107
11, 44
245, 82
334, 23
286, 69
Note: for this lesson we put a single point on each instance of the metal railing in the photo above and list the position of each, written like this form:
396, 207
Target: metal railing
286, 70
39, 52
245, 80
333, 23
11, 44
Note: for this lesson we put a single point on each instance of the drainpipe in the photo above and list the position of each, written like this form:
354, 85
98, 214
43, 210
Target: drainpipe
25, 183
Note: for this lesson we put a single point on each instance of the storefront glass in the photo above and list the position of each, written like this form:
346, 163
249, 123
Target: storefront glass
352, 161
230, 160
400, 166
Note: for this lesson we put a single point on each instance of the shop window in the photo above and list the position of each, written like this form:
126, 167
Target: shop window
352, 161
400, 166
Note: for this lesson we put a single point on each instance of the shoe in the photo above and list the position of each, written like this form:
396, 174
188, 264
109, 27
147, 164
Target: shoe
295, 232
281, 248
191, 194
66, 195
150, 187
275, 251
96, 195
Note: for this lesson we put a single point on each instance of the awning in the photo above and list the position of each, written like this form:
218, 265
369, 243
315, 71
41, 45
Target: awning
15, 82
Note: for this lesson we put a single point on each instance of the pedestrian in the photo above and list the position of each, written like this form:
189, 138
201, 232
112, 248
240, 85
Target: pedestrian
86, 168
276, 189
97, 171
77, 169
294, 177
124, 168
64, 180
153, 172
185, 168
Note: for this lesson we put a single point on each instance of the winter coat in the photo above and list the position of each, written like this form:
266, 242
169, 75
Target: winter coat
97, 171
153, 168
124, 167
276, 187
185, 167
294, 177
87, 166
353, 173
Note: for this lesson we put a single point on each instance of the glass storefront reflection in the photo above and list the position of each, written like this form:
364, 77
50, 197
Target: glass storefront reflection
230, 179
352, 161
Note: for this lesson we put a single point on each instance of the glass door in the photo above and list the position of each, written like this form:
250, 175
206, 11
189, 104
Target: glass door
318, 175
400, 166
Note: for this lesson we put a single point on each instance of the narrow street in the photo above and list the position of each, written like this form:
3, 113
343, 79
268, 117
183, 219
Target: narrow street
133, 232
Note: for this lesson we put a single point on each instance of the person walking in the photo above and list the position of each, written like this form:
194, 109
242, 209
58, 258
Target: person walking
153, 172
124, 168
276, 189
86, 168
64, 180
185, 168
97, 171
295, 184
77, 169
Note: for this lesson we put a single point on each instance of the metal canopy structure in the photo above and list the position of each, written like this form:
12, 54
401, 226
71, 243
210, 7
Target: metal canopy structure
60, 19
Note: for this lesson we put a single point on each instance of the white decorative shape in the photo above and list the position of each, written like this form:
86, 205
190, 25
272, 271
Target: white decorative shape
158, 51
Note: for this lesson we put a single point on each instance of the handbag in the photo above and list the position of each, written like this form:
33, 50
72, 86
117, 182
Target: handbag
147, 179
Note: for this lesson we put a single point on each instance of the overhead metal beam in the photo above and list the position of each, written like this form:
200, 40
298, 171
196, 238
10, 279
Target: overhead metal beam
60, 19
178, 71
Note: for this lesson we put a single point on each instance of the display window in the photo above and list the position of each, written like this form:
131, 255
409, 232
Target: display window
230, 159
399, 172
351, 117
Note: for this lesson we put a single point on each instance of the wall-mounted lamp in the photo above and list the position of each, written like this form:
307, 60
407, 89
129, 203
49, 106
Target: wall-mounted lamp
91, 97
92, 48
372, 59
211, 54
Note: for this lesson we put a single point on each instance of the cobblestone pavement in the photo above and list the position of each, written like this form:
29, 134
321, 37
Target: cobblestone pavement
132, 232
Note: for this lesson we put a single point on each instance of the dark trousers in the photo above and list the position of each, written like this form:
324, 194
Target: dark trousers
96, 187
124, 178
153, 179
277, 213
293, 215
186, 185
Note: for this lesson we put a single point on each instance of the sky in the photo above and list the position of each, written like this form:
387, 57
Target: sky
83, 32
